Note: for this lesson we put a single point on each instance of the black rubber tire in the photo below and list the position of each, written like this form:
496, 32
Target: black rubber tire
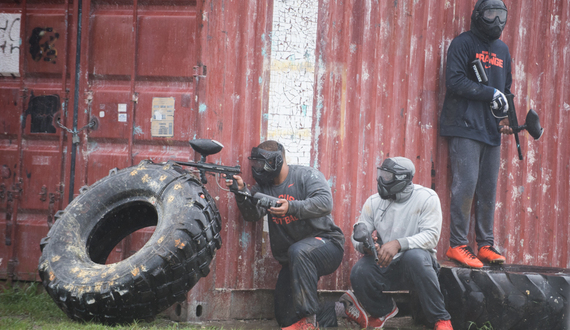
72, 265
508, 297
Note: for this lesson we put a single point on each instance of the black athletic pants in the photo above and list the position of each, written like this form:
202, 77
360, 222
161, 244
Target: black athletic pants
296, 289
415, 269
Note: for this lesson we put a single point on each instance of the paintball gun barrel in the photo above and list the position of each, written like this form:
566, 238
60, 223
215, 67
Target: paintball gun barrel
209, 147
532, 123
361, 234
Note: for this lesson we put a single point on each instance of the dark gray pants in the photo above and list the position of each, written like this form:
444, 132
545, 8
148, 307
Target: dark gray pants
474, 170
415, 269
296, 294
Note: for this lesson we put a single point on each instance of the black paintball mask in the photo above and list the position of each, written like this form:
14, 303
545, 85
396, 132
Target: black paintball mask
490, 18
393, 178
266, 165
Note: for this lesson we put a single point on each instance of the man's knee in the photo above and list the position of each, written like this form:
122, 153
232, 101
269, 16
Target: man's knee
417, 261
361, 270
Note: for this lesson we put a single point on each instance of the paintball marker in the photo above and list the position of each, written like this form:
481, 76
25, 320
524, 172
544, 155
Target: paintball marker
266, 201
209, 147
532, 123
362, 235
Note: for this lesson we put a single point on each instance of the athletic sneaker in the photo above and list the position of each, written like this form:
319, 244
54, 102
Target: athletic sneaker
378, 322
354, 311
490, 255
464, 254
443, 325
307, 323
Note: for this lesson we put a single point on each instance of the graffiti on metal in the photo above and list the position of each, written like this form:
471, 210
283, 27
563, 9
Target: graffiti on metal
42, 44
293, 43
42, 109
10, 44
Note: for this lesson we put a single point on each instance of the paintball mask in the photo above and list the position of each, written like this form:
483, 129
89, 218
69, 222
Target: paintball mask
491, 17
266, 165
393, 177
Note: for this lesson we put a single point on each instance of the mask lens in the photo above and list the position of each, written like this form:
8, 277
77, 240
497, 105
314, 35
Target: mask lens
491, 14
257, 164
386, 176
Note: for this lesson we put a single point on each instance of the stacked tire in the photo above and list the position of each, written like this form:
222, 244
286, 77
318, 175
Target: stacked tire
179, 252
508, 297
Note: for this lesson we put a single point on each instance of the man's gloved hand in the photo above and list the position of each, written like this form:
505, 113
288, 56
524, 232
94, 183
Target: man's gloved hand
499, 104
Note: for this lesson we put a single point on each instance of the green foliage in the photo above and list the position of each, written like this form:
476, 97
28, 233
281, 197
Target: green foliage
486, 326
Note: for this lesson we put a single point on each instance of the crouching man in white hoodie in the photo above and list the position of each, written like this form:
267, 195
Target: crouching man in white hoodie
407, 219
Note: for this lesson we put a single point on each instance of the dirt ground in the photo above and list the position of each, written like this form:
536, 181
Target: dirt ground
397, 323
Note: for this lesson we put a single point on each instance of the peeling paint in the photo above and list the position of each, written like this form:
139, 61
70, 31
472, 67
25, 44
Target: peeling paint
202, 108
244, 239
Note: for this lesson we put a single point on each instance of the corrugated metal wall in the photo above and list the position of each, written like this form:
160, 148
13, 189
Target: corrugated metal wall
381, 85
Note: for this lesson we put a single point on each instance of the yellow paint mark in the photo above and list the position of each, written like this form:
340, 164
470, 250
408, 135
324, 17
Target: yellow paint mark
179, 244
55, 258
146, 178
51, 276
135, 271
527, 292
134, 172
75, 270
178, 186
166, 167
160, 240
163, 177
170, 198
98, 286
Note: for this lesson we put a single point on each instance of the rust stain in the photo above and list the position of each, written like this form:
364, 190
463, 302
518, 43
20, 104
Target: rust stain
51, 276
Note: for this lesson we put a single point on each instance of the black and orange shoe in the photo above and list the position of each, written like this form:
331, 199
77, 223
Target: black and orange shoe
354, 311
443, 325
306, 323
464, 255
489, 254
377, 323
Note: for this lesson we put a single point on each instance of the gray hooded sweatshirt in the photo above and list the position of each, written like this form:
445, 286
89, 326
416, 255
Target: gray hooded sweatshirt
413, 218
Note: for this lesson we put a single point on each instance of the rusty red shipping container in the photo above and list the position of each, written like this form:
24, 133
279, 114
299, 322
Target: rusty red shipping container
379, 87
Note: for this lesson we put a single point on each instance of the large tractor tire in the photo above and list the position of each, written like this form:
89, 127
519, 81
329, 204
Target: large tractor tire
72, 265
509, 297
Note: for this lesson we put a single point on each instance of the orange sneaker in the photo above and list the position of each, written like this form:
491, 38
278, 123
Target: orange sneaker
489, 254
378, 322
464, 254
443, 325
354, 311
306, 323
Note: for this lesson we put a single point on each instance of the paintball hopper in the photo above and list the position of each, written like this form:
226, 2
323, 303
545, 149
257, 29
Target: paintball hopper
532, 125
361, 234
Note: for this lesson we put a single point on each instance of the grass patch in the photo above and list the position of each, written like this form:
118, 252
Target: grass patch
28, 306
486, 326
